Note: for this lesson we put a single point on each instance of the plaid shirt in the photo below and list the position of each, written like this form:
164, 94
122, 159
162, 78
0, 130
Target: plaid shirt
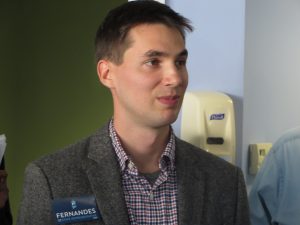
146, 204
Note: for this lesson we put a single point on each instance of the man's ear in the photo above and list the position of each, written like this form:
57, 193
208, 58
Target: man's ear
104, 73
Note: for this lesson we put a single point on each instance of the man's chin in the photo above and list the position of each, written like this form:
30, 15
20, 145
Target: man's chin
166, 121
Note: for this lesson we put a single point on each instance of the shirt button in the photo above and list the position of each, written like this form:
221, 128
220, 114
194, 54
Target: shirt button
130, 165
151, 196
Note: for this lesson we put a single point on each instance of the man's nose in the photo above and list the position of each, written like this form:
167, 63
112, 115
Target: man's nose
174, 76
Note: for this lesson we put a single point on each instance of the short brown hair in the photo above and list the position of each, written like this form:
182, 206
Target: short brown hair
111, 42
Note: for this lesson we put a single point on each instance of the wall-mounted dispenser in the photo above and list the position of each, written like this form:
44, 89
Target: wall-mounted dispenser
208, 122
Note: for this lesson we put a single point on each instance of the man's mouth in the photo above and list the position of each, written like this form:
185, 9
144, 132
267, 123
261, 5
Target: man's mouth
169, 100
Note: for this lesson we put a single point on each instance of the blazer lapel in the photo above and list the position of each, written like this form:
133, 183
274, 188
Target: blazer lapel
190, 188
102, 170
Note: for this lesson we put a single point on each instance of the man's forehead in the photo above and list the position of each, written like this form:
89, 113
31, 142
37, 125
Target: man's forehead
153, 43
154, 31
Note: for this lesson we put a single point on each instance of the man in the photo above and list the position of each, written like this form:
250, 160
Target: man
5, 214
274, 197
134, 168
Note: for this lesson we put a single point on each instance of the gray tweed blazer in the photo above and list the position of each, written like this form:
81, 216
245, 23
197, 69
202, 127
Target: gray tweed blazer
210, 190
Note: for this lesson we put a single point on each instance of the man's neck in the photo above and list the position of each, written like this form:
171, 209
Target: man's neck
144, 145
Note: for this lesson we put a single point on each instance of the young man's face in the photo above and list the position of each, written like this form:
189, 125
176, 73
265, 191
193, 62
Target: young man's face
148, 87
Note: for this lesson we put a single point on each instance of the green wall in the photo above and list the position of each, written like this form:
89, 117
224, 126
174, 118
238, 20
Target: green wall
50, 95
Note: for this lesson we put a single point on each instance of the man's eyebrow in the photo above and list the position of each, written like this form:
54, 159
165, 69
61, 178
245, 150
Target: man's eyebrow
183, 53
156, 53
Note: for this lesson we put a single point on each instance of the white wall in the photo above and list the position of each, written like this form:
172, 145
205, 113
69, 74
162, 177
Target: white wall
265, 89
216, 51
272, 70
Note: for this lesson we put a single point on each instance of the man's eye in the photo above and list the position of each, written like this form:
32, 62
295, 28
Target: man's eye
153, 62
181, 62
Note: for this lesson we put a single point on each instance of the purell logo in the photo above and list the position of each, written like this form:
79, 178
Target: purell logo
73, 204
218, 116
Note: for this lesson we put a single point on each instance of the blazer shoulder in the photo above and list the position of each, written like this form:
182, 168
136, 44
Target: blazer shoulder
73, 154
68, 153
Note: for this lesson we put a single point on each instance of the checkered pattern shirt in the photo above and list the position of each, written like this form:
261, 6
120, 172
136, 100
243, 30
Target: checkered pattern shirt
149, 204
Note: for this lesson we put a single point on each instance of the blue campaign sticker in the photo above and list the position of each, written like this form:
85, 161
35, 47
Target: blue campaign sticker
76, 209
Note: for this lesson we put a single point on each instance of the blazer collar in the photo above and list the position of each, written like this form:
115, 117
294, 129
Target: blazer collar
104, 175
191, 186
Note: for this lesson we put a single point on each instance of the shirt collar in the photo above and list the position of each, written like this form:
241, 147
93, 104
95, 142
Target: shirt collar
167, 158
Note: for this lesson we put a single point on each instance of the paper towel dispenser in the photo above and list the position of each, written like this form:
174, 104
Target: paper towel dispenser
208, 122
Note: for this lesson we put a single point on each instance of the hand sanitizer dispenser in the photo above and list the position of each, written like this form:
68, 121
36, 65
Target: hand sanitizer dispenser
208, 122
